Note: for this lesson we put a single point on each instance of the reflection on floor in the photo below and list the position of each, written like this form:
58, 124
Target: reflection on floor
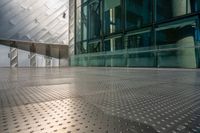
99, 100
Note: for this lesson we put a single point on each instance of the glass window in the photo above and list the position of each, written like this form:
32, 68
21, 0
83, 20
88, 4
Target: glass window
169, 9
84, 1
177, 34
138, 40
198, 5
113, 44
195, 5
112, 16
94, 47
141, 59
94, 20
138, 13
176, 44
81, 48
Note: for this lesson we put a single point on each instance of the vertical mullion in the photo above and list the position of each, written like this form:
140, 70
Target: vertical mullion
123, 19
102, 25
87, 26
75, 11
154, 15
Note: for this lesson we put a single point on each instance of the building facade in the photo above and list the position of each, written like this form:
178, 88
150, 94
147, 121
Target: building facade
34, 33
137, 33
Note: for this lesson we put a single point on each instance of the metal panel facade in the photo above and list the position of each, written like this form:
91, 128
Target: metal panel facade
43, 21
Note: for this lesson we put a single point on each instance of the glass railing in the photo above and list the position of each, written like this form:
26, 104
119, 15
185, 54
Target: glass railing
171, 55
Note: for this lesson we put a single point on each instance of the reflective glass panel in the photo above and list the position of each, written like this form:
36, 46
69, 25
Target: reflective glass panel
168, 9
113, 44
138, 40
81, 48
176, 46
94, 47
195, 5
94, 20
138, 13
112, 16
177, 35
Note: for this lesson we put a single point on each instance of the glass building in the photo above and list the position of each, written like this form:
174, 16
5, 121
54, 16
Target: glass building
137, 33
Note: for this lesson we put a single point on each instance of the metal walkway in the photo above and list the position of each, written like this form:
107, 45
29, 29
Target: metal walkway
99, 100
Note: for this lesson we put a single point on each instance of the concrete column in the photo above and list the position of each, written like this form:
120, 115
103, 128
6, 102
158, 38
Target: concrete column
55, 56
48, 62
13, 57
32, 56
187, 59
63, 55
48, 59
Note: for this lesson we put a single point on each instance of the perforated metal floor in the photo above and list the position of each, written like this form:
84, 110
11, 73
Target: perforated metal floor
99, 100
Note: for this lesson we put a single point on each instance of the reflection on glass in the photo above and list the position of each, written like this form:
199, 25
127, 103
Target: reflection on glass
94, 47
113, 44
94, 20
112, 14
175, 35
139, 34
81, 24
197, 5
84, 1
84, 23
81, 48
169, 9
141, 59
140, 40
138, 13
181, 37
78, 24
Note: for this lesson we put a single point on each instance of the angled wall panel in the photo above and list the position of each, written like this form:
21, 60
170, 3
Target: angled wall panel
43, 21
